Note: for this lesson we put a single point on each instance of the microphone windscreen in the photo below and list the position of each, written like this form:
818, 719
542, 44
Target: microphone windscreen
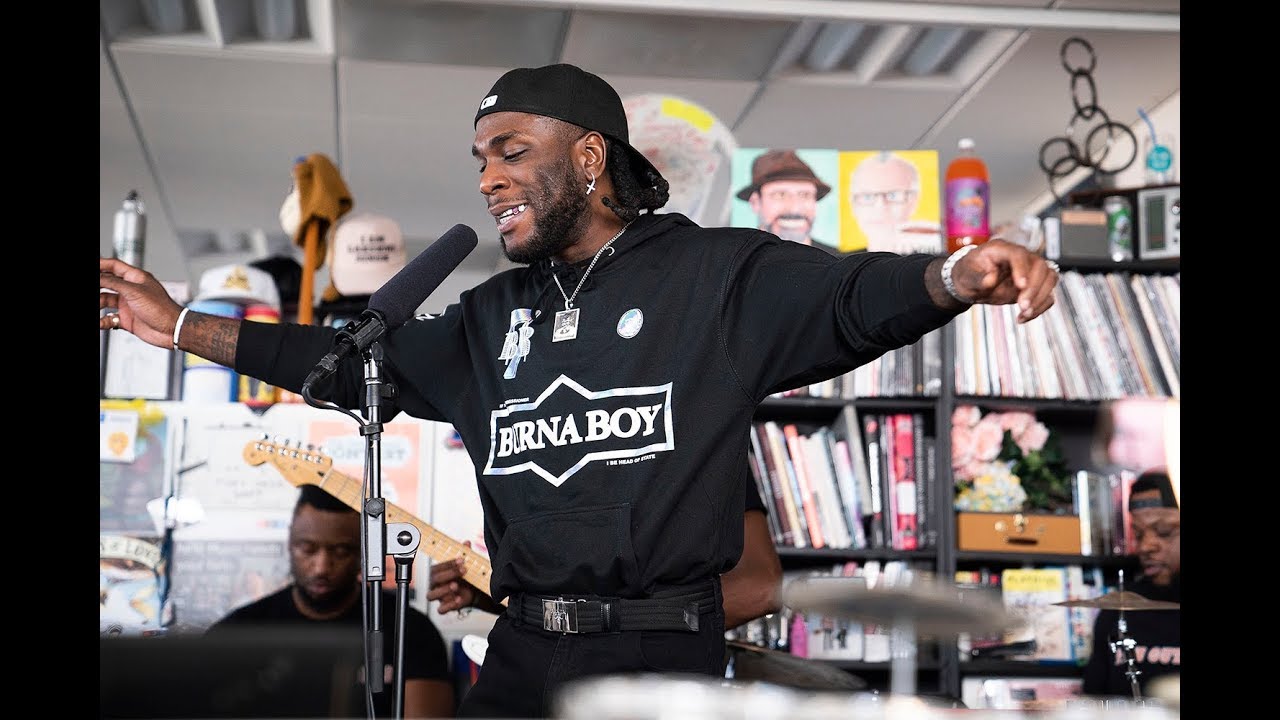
400, 296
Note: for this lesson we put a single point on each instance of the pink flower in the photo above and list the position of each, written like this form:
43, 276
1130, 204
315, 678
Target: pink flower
1016, 422
965, 416
961, 449
1033, 438
987, 438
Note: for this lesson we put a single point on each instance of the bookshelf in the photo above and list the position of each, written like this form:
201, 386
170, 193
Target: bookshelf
1074, 420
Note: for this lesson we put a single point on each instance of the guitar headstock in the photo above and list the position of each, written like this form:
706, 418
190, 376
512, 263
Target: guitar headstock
300, 464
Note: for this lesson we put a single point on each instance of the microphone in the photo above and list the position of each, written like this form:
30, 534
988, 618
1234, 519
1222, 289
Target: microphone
393, 304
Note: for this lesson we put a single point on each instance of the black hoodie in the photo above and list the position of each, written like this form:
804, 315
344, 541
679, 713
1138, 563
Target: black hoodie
611, 464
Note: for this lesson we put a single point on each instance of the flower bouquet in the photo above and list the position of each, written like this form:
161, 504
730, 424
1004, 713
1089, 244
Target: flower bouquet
1007, 462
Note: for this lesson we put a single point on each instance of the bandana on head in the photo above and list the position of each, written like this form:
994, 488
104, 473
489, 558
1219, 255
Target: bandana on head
1148, 481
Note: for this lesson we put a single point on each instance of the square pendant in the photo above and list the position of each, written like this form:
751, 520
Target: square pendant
566, 325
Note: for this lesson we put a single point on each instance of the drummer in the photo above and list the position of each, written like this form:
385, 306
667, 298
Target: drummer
1156, 522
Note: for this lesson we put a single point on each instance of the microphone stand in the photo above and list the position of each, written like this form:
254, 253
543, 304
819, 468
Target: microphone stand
375, 529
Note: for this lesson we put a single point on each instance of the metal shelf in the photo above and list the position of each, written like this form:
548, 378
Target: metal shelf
790, 553
1162, 265
1045, 404
969, 556
1024, 668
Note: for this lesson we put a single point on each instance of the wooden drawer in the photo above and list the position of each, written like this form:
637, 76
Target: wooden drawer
1018, 532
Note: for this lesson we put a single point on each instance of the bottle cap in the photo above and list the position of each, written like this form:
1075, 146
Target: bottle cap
966, 143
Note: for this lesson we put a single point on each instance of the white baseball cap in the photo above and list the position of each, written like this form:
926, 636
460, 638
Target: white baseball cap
366, 251
239, 283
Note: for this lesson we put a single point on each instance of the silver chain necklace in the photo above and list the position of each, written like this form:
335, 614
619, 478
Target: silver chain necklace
566, 326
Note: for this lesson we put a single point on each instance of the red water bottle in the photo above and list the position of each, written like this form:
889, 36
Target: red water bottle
967, 198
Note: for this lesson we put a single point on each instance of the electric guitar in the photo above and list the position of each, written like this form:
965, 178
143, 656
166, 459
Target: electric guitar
304, 466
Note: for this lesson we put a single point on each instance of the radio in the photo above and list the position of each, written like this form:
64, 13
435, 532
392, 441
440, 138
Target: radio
1159, 213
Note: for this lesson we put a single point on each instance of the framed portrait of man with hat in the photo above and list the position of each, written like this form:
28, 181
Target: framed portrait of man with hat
785, 192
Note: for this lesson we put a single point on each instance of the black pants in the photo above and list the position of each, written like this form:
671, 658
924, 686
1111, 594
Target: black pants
524, 667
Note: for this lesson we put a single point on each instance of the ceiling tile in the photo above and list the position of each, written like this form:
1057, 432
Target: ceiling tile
408, 154
674, 46
794, 113
224, 131
449, 33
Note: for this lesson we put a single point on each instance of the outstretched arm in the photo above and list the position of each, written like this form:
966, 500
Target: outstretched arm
140, 305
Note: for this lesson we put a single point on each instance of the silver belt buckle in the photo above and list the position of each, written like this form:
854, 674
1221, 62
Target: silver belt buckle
560, 615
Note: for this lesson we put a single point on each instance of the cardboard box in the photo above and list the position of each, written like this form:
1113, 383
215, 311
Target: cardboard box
1018, 532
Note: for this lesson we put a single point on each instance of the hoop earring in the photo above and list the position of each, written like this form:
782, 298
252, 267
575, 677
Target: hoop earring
591, 186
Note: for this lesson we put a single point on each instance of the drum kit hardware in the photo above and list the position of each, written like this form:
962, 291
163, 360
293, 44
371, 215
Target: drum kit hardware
765, 684
913, 604
1123, 601
748, 662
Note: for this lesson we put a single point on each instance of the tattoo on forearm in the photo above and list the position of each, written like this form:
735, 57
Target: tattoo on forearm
211, 337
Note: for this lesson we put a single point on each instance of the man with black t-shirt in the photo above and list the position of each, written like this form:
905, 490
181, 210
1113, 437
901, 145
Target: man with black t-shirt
1157, 530
324, 560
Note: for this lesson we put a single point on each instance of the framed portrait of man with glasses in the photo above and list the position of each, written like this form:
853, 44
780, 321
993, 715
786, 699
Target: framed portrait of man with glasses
889, 201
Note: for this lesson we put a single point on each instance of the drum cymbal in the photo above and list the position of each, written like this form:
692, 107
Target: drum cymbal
1121, 600
933, 608
751, 662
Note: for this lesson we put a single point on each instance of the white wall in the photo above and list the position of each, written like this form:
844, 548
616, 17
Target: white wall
1167, 119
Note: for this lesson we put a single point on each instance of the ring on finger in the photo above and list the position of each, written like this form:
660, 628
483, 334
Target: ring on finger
115, 320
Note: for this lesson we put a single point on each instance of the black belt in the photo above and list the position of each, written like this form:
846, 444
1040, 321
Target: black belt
569, 614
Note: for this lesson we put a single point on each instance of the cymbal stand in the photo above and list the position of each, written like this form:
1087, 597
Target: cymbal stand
902, 648
1126, 645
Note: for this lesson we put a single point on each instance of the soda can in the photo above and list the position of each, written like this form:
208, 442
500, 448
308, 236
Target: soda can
1119, 227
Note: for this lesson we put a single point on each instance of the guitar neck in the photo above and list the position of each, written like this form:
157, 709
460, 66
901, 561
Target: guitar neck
438, 546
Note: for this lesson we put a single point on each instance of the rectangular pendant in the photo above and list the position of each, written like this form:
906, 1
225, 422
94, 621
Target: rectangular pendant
566, 325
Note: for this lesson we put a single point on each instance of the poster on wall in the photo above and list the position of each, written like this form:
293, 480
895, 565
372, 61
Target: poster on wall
125, 488
457, 513
692, 149
841, 200
402, 476
341, 442
132, 585
238, 500
456, 500
889, 201
788, 193
213, 577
